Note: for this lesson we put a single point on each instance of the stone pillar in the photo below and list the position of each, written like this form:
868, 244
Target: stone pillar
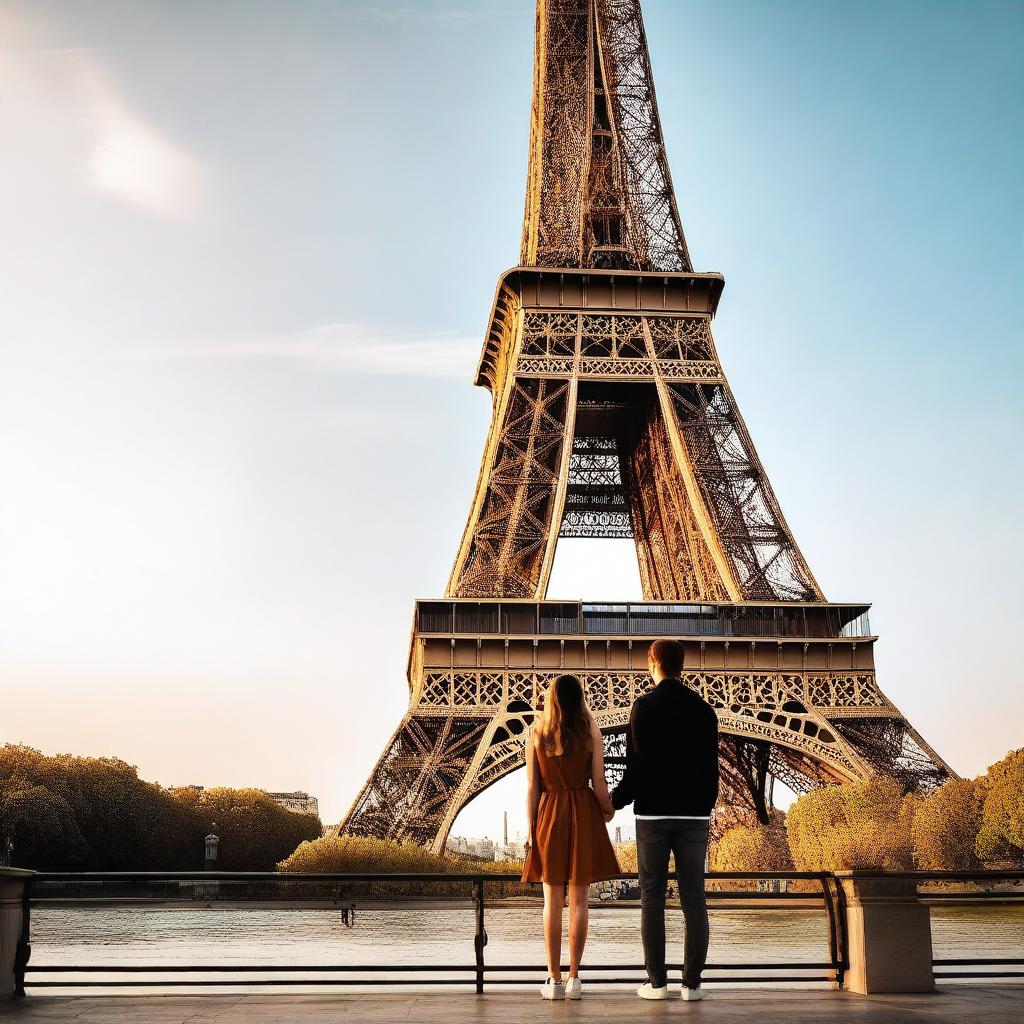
13, 930
889, 934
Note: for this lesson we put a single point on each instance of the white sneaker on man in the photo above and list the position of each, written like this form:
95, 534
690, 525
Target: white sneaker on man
648, 991
691, 995
552, 989
574, 989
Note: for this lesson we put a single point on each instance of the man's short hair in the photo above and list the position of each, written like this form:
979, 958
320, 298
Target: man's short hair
668, 655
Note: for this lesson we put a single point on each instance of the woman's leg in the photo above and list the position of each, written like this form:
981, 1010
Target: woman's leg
579, 920
553, 902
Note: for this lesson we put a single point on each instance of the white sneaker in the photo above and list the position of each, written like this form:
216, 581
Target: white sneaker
648, 991
691, 994
552, 989
574, 989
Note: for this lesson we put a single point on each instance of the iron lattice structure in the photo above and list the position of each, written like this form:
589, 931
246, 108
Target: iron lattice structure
612, 417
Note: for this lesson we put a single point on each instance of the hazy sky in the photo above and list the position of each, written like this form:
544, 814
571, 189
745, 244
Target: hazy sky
248, 253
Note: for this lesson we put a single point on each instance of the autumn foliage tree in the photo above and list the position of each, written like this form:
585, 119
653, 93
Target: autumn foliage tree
39, 823
865, 826
254, 832
70, 813
88, 814
946, 825
1001, 837
752, 847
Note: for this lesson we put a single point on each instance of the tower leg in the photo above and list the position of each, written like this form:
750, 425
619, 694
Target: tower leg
752, 759
418, 785
509, 541
675, 561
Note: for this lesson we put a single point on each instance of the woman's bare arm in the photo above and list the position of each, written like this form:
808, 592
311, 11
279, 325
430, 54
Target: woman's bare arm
532, 783
597, 771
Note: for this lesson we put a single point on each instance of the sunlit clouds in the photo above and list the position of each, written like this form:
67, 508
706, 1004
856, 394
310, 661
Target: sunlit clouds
356, 349
131, 159
77, 130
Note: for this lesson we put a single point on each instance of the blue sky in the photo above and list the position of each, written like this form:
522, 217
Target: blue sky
249, 251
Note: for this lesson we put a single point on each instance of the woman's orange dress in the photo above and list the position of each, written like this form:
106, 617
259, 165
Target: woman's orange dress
569, 842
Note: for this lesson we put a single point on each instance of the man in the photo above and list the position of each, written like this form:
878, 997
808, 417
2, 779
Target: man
671, 779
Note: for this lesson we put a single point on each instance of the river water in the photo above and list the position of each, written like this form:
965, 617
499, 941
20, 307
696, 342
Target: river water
156, 936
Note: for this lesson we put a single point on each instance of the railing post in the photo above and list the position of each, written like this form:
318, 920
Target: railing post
889, 939
480, 939
835, 911
14, 934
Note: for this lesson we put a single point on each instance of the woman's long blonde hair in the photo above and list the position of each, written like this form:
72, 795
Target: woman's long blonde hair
564, 725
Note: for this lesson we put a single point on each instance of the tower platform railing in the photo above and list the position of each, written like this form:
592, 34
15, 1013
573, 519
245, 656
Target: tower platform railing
448, 617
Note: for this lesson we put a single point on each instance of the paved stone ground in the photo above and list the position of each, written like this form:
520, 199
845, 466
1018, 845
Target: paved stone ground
995, 1004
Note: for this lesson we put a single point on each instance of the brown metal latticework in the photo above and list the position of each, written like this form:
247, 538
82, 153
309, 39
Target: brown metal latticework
612, 417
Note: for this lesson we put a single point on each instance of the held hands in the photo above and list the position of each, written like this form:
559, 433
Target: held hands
607, 811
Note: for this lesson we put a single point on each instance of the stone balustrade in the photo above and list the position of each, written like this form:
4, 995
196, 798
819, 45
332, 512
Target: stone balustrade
14, 947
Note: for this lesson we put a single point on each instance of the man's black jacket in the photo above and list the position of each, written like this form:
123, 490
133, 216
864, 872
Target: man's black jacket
671, 754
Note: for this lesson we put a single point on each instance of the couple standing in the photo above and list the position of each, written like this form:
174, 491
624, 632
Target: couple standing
671, 778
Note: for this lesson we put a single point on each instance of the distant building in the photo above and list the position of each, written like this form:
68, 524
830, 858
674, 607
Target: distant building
298, 801
618, 833
480, 849
510, 850
487, 849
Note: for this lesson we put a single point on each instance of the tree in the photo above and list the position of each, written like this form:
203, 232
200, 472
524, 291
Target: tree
866, 826
1001, 837
946, 826
752, 848
122, 822
254, 831
96, 814
40, 824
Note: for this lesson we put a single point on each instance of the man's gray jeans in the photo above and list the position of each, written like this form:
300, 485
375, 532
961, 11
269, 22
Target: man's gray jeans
688, 841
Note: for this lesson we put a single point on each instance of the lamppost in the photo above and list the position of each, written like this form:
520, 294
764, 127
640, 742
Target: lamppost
211, 851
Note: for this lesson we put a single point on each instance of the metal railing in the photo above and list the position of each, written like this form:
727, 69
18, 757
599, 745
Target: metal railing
136, 888
641, 619
964, 968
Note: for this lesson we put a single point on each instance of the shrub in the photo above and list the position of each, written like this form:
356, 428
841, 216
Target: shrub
365, 855
626, 854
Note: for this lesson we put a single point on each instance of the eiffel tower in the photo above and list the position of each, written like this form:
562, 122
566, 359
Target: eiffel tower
612, 417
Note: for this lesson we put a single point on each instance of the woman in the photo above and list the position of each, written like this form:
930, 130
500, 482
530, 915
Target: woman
568, 840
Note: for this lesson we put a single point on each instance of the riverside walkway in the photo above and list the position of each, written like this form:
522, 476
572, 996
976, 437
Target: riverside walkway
993, 1004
